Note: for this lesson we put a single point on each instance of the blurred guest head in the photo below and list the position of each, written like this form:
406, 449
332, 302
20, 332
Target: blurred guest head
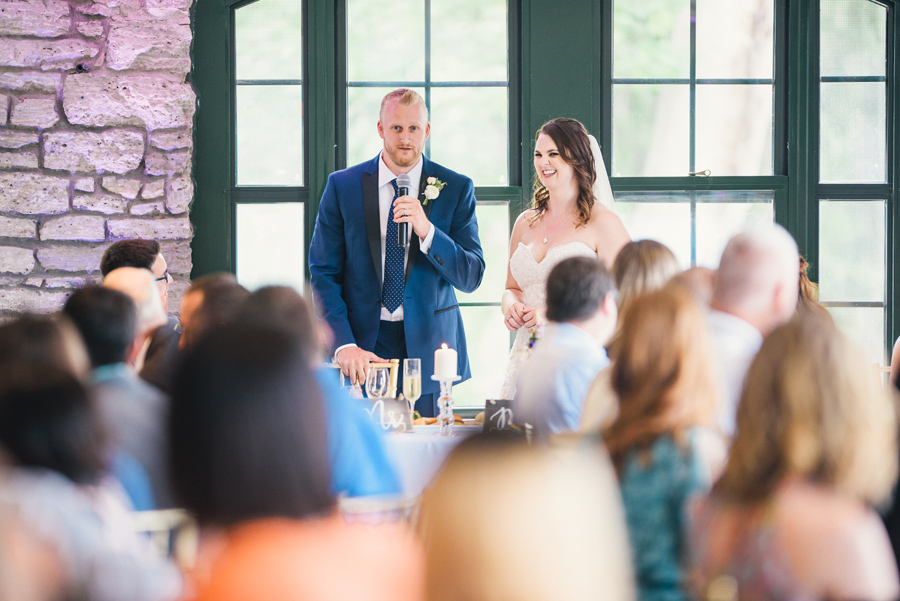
141, 253
699, 282
42, 342
757, 278
581, 291
107, 322
138, 284
212, 300
811, 408
505, 521
642, 266
283, 308
663, 374
247, 429
48, 420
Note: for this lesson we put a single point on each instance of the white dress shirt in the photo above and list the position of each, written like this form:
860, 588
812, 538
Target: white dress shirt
385, 198
735, 344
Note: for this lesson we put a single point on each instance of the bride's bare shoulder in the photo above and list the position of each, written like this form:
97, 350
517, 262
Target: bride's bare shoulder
526, 215
524, 220
601, 217
608, 233
521, 227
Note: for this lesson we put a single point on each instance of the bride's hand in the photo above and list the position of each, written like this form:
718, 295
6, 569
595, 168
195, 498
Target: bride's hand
533, 317
515, 317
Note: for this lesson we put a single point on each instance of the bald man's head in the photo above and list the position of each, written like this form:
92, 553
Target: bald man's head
139, 285
757, 279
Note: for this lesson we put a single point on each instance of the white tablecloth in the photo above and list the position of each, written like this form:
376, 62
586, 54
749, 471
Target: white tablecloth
419, 455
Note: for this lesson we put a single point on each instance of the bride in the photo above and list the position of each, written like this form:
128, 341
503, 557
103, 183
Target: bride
572, 215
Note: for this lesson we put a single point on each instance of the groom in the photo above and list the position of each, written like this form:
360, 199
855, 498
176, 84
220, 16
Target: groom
384, 301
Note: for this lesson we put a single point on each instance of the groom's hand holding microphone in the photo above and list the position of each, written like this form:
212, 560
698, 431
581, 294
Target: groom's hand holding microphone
408, 210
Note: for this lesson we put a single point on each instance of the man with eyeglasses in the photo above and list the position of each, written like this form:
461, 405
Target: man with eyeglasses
147, 254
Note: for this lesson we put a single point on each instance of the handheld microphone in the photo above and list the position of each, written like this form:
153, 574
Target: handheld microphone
403, 182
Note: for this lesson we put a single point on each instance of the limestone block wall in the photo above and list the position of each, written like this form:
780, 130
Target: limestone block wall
96, 117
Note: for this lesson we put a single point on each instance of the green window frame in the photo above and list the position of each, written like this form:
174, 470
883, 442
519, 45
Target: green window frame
560, 65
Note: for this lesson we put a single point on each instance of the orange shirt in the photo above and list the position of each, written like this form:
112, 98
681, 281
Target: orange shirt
321, 559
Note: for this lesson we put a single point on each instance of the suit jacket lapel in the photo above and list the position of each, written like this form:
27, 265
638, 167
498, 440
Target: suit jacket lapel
372, 216
414, 240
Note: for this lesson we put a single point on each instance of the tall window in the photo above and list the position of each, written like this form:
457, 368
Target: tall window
455, 54
853, 189
693, 87
269, 213
693, 91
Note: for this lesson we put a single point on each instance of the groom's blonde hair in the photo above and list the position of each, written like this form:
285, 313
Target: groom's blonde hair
405, 97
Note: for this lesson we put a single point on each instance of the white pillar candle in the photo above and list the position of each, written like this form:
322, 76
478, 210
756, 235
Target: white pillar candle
445, 363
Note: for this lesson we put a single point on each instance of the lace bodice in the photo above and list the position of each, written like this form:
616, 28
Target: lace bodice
531, 276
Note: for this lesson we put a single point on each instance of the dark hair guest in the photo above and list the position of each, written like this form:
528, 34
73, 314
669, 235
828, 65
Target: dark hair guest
106, 320
249, 458
53, 491
47, 420
129, 253
576, 292
247, 429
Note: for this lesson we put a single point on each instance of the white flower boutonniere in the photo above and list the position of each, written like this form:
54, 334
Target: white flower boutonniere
433, 189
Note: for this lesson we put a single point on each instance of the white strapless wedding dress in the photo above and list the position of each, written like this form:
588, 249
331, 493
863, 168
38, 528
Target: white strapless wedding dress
532, 279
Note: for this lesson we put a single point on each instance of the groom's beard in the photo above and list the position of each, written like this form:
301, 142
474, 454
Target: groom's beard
401, 157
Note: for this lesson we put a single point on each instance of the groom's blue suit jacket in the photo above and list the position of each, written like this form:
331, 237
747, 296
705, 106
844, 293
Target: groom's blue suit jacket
346, 267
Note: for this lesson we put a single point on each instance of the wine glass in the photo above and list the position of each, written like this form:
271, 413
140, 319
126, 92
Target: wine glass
377, 382
412, 381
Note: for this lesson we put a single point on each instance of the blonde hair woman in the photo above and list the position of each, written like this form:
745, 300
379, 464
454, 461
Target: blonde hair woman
508, 522
663, 452
816, 441
643, 266
640, 267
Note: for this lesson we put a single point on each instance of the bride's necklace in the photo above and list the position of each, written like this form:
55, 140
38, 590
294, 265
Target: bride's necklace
567, 219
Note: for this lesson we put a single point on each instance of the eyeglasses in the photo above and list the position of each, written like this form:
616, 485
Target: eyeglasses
163, 278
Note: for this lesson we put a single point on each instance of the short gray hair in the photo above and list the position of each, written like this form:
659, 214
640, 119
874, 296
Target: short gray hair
752, 262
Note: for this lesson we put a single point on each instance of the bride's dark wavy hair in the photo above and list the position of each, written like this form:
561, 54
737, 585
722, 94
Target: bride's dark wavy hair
571, 139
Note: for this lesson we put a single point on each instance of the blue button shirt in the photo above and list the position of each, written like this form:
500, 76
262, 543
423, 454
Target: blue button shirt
359, 461
555, 378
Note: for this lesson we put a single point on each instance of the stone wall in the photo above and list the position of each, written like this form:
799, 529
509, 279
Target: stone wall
95, 141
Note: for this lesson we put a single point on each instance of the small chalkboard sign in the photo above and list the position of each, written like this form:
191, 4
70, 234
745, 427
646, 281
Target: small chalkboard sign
497, 415
391, 414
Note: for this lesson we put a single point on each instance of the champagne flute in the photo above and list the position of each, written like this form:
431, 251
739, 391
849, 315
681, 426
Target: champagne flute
377, 382
412, 381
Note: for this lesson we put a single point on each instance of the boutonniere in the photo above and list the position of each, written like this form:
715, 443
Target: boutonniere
432, 189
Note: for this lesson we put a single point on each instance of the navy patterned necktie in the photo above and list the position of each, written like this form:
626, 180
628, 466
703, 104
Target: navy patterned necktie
392, 291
